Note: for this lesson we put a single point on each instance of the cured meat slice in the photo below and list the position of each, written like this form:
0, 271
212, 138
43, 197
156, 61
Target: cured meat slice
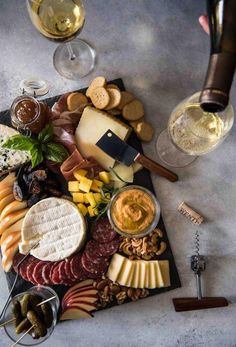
54, 265
46, 272
97, 269
55, 276
102, 231
24, 266
96, 250
68, 269
92, 251
37, 273
17, 258
30, 269
76, 266
61, 270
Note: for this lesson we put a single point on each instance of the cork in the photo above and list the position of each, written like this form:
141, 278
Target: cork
190, 213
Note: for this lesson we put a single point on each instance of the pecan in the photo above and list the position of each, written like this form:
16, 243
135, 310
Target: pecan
101, 285
121, 296
106, 290
115, 289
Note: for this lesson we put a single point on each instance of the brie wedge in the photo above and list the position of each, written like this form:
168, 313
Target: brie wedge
58, 226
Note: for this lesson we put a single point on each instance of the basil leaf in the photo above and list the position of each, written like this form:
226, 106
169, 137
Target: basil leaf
20, 142
46, 134
36, 156
55, 152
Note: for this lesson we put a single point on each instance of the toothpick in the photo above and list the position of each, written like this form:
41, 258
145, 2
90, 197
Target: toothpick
16, 343
8, 321
43, 302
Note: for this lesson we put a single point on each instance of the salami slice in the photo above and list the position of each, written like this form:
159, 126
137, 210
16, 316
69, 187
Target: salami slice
68, 269
17, 258
92, 251
105, 249
61, 270
76, 266
37, 273
46, 272
97, 269
52, 271
24, 265
102, 231
30, 269
55, 276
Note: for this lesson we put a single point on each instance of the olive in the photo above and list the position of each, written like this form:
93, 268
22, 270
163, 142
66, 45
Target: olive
47, 314
16, 311
39, 327
23, 326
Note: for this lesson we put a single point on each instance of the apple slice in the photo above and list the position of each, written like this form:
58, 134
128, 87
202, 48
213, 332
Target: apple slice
82, 305
90, 299
14, 227
79, 290
11, 219
6, 201
90, 291
13, 207
75, 313
8, 181
84, 283
4, 192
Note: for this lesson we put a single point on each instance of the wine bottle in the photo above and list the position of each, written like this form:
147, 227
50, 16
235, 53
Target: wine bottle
222, 23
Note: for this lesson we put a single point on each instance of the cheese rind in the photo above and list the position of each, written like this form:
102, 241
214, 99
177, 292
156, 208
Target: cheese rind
92, 126
58, 226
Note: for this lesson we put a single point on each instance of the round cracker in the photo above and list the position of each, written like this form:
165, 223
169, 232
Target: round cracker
134, 123
133, 111
75, 100
126, 98
99, 81
115, 97
144, 131
100, 97
112, 86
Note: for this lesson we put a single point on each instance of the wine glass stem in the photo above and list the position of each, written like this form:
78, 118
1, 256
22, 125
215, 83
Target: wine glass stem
72, 56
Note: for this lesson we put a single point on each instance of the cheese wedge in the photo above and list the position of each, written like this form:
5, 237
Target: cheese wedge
142, 274
115, 267
136, 275
58, 226
92, 126
152, 276
147, 277
165, 272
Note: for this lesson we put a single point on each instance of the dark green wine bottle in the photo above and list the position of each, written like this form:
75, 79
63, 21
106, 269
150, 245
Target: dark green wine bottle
222, 23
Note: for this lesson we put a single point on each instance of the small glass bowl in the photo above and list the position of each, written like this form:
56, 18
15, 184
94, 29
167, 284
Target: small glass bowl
156, 218
45, 293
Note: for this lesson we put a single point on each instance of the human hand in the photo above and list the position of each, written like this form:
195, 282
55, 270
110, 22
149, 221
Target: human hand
203, 20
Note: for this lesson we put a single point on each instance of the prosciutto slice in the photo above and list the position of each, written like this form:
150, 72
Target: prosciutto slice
76, 161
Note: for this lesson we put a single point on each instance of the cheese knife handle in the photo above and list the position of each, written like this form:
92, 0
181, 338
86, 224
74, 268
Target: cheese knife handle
156, 168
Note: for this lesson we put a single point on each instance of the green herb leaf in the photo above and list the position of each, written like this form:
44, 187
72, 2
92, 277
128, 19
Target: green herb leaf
46, 134
20, 142
55, 152
36, 156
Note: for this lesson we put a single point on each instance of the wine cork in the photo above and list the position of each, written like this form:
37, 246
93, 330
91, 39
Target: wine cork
190, 213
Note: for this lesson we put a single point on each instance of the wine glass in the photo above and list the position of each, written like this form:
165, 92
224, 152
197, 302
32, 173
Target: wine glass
192, 132
63, 20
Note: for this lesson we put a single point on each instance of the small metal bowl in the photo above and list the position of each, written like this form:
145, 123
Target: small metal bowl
45, 293
143, 232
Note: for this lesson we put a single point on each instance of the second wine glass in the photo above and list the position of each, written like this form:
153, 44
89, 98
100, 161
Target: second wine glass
63, 20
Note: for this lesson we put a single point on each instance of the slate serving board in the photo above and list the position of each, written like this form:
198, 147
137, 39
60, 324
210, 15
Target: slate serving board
142, 178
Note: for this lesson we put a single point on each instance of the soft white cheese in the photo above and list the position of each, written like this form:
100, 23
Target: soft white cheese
58, 226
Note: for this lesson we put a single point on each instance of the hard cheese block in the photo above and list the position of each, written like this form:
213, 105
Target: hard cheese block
92, 126
139, 273
57, 225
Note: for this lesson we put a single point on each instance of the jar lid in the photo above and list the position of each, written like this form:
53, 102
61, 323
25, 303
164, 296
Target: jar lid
34, 87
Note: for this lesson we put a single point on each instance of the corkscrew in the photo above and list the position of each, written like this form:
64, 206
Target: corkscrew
198, 265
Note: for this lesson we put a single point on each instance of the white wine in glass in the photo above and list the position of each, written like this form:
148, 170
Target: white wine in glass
192, 132
63, 20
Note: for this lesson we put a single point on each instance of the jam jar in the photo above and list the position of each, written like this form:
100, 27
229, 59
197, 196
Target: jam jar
28, 113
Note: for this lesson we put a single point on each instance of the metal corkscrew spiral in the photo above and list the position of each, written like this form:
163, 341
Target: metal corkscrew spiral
198, 264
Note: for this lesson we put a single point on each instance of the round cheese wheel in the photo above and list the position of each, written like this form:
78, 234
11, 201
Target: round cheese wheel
58, 226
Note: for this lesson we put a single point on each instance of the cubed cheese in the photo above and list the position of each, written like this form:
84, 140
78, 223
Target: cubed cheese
78, 197
96, 185
85, 184
83, 209
104, 176
73, 186
80, 173
92, 126
90, 199
97, 197
92, 211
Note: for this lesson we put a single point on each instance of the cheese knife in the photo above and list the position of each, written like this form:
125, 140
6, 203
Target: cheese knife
119, 150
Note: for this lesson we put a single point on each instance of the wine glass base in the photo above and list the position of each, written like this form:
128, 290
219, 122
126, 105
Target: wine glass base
74, 59
170, 154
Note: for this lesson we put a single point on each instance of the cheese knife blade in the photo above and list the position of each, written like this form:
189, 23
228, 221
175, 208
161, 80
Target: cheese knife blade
119, 150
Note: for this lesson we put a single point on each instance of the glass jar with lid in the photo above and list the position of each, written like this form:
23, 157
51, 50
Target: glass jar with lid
27, 113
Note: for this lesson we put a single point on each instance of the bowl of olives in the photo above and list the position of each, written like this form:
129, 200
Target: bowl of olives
28, 314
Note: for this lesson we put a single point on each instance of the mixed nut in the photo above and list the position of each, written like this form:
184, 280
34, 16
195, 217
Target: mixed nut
109, 292
146, 248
